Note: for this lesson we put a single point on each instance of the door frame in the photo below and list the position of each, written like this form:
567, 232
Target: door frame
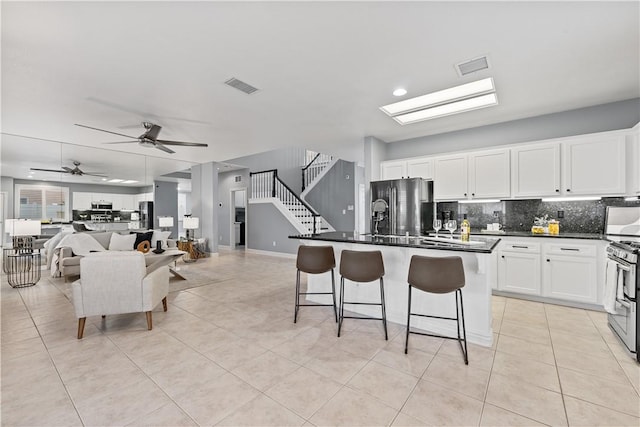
232, 206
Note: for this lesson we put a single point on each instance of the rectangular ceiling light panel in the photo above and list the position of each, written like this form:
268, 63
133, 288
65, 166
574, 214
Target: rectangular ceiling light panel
448, 109
441, 97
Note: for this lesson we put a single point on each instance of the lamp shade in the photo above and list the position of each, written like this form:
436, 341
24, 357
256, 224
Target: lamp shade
24, 227
165, 221
190, 223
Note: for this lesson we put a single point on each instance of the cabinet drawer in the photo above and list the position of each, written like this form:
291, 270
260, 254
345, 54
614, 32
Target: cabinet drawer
521, 247
570, 249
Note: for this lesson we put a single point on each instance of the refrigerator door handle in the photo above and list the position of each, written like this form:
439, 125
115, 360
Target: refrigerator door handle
392, 211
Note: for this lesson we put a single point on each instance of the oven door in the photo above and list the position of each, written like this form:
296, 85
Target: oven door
624, 324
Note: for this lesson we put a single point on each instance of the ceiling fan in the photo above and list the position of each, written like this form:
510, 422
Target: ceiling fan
149, 138
73, 171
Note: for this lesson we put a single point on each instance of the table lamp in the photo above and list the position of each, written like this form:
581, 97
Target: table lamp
165, 222
190, 223
22, 231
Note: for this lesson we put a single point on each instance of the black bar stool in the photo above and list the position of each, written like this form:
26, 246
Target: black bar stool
359, 266
438, 276
315, 260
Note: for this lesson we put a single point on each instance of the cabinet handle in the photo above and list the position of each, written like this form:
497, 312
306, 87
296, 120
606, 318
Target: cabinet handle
557, 190
465, 194
502, 256
548, 260
568, 189
473, 194
570, 249
520, 247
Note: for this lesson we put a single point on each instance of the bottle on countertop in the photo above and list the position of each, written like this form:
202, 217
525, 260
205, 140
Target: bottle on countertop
465, 229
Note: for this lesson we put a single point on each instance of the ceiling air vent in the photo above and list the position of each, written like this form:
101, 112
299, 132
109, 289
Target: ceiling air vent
241, 86
468, 67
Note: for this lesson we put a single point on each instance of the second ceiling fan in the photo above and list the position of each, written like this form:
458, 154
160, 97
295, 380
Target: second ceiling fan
149, 138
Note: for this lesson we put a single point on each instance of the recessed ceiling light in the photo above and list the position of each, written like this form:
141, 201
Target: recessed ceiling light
129, 181
116, 180
399, 92
433, 99
448, 109
104, 179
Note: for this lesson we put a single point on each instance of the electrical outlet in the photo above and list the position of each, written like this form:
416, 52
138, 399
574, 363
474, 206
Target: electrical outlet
274, 243
344, 212
560, 214
349, 207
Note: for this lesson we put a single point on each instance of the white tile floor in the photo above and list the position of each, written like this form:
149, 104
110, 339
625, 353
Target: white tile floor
228, 353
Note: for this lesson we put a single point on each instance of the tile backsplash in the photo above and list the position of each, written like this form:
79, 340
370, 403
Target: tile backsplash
518, 215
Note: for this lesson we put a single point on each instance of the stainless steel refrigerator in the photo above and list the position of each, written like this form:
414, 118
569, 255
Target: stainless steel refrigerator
399, 206
146, 215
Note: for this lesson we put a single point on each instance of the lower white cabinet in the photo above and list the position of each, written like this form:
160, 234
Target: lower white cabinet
519, 268
563, 269
570, 272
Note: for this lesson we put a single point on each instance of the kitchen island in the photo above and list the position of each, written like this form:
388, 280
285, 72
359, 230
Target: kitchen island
480, 266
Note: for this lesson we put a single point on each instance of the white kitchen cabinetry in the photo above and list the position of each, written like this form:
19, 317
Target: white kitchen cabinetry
81, 201
116, 201
519, 267
478, 175
594, 164
633, 161
129, 202
395, 169
450, 177
535, 170
570, 272
421, 167
489, 175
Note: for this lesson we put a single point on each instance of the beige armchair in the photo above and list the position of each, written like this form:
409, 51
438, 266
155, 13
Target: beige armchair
117, 283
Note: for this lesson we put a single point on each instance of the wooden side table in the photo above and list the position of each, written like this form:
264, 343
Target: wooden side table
193, 250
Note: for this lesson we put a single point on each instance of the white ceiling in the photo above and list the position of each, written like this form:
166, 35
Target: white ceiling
323, 68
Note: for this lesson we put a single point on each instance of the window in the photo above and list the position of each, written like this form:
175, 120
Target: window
42, 202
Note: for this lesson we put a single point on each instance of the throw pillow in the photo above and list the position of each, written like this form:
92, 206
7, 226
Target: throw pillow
121, 242
162, 236
141, 237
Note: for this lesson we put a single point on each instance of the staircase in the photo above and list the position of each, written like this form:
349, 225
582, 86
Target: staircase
316, 164
266, 186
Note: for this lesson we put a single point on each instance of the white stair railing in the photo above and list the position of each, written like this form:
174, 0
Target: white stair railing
314, 168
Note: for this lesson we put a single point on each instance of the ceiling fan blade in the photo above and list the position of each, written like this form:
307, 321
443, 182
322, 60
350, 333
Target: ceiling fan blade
33, 137
68, 169
185, 144
153, 132
120, 142
94, 174
163, 148
142, 114
107, 131
48, 170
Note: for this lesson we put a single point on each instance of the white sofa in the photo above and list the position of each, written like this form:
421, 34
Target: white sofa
66, 263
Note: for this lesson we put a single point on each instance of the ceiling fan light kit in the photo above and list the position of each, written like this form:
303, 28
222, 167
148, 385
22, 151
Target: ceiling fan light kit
149, 138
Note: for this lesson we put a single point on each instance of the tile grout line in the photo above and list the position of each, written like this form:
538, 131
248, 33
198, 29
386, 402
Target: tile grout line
564, 404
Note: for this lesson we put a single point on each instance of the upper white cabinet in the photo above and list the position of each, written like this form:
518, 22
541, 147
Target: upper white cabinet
394, 169
421, 167
535, 170
450, 177
594, 164
81, 201
489, 174
483, 174
633, 161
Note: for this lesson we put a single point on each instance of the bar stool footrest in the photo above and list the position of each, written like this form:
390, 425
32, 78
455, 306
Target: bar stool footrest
315, 305
433, 317
362, 318
363, 303
315, 293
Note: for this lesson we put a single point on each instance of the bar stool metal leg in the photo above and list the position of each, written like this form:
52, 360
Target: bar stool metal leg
333, 292
464, 331
341, 305
406, 340
295, 316
384, 312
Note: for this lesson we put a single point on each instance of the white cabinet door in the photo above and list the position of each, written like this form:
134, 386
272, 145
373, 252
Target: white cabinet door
129, 201
420, 168
519, 272
116, 201
535, 170
81, 201
571, 278
489, 174
450, 177
594, 164
395, 169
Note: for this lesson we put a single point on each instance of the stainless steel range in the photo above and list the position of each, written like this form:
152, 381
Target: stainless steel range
623, 231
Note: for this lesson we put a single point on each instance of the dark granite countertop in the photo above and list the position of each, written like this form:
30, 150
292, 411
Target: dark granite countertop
484, 244
589, 236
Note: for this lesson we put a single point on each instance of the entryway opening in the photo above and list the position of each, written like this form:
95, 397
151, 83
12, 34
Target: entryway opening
238, 219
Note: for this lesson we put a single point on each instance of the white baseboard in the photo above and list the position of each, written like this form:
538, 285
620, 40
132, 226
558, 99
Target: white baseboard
270, 253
